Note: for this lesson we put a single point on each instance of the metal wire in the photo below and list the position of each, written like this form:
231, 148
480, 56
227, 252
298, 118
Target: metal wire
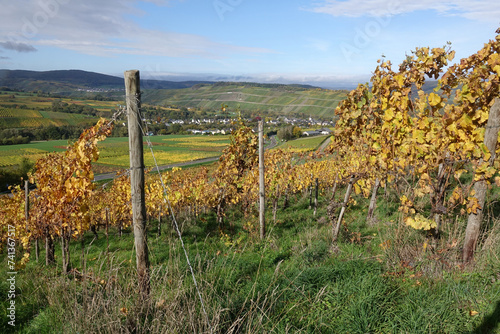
174, 220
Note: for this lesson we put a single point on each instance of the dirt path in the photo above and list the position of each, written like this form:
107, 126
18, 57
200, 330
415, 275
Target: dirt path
325, 144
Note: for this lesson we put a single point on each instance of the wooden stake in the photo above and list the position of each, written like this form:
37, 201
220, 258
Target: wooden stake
262, 202
373, 200
344, 205
316, 197
481, 187
133, 95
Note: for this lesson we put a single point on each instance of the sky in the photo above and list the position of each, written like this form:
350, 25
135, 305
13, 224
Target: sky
288, 41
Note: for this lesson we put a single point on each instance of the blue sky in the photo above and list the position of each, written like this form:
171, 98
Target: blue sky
268, 41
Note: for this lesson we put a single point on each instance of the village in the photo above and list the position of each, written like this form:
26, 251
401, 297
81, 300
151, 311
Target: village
222, 126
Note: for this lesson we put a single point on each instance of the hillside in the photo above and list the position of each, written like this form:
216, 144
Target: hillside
254, 97
269, 98
65, 81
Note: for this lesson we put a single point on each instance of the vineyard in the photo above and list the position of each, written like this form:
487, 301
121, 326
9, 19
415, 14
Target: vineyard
29, 118
280, 100
403, 202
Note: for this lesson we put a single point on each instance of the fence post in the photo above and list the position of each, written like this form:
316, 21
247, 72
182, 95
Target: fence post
262, 199
133, 97
342, 210
481, 186
316, 197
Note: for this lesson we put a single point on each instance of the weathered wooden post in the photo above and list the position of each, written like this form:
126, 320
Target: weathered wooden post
316, 194
481, 186
373, 201
262, 199
342, 210
26, 200
159, 222
133, 96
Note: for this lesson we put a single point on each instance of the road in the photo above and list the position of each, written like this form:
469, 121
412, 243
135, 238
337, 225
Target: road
325, 144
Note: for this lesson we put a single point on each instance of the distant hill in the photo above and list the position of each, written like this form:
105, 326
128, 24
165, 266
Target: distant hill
267, 99
73, 80
249, 96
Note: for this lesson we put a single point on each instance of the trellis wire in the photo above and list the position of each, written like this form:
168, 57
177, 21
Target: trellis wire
174, 220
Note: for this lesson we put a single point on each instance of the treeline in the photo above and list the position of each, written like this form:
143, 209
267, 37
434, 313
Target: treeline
12, 176
26, 135
60, 106
289, 132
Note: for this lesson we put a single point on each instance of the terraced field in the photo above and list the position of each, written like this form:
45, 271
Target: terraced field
284, 100
25, 110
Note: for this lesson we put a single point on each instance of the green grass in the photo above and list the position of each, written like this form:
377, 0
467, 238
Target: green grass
114, 151
303, 144
295, 281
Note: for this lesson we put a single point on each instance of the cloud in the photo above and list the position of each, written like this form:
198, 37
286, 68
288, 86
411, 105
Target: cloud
4, 58
480, 10
105, 28
19, 47
319, 44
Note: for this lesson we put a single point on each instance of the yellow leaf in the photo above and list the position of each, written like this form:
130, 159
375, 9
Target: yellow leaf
473, 313
389, 114
399, 79
420, 222
434, 99
497, 69
357, 189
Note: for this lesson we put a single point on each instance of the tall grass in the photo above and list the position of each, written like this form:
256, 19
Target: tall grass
377, 279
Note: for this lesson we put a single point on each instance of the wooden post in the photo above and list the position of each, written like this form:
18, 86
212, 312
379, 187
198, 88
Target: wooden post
316, 197
159, 222
107, 236
344, 205
26, 201
27, 215
310, 196
373, 201
133, 96
262, 190
49, 249
481, 186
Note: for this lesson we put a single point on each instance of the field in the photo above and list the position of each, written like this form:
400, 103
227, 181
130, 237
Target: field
32, 101
169, 149
26, 110
114, 152
303, 144
11, 155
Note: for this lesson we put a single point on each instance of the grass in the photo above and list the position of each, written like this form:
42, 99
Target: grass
303, 144
114, 152
295, 281
168, 149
